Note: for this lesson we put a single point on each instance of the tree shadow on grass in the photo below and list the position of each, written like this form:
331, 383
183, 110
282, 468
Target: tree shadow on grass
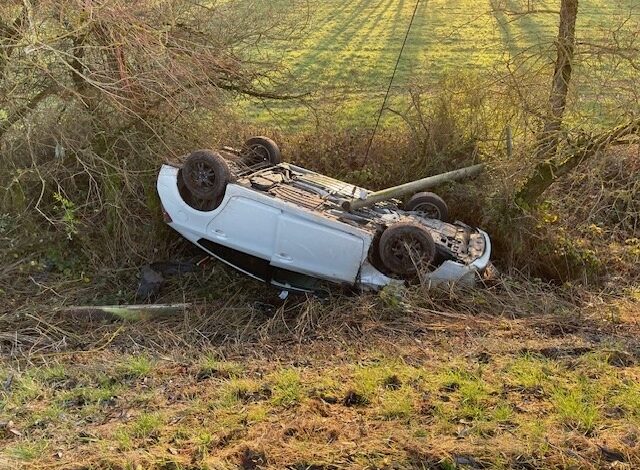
331, 57
527, 28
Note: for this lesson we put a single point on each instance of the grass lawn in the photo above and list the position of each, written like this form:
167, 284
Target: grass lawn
353, 383
346, 53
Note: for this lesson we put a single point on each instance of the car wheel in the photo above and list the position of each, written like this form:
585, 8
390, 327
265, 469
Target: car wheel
406, 248
429, 205
205, 174
261, 150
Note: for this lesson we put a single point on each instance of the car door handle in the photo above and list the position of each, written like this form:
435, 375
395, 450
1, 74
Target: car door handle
220, 234
284, 257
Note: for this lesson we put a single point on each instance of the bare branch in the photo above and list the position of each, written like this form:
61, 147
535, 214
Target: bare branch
547, 172
25, 109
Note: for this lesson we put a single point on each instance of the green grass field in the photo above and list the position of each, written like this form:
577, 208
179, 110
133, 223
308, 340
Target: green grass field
347, 50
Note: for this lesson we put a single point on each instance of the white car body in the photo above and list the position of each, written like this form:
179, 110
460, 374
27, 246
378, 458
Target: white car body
268, 235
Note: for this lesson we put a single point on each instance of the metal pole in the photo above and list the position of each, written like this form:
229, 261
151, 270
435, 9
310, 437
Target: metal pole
414, 186
509, 137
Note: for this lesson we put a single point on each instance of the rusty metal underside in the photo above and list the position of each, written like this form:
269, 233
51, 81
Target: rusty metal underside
311, 191
323, 194
297, 196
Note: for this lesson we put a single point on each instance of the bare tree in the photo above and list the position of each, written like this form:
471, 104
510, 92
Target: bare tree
565, 47
552, 165
129, 57
93, 93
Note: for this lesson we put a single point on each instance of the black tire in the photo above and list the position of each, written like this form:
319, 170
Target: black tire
406, 248
205, 175
261, 150
429, 205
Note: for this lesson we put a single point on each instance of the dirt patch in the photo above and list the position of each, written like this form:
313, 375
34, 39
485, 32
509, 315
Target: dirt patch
450, 387
555, 329
469, 462
483, 357
311, 466
246, 396
228, 437
392, 382
612, 455
212, 374
621, 359
251, 459
353, 398
557, 353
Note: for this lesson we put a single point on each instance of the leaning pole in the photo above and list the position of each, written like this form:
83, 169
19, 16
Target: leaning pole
412, 187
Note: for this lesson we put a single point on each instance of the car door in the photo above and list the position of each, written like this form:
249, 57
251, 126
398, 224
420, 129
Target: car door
315, 248
247, 225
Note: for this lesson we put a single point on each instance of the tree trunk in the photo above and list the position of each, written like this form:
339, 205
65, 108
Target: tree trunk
24, 110
565, 45
549, 139
549, 171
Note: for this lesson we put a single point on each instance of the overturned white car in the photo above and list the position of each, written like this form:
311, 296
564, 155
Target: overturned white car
294, 228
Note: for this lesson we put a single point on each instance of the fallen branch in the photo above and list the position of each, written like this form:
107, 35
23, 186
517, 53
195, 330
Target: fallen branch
128, 312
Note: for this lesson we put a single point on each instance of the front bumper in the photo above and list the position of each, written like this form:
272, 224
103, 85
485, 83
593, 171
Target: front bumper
452, 272
448, 273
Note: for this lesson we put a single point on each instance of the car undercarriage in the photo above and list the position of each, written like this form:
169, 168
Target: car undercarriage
287, 226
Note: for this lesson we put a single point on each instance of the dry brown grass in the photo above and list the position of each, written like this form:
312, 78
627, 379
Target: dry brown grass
507, 376
517, 374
